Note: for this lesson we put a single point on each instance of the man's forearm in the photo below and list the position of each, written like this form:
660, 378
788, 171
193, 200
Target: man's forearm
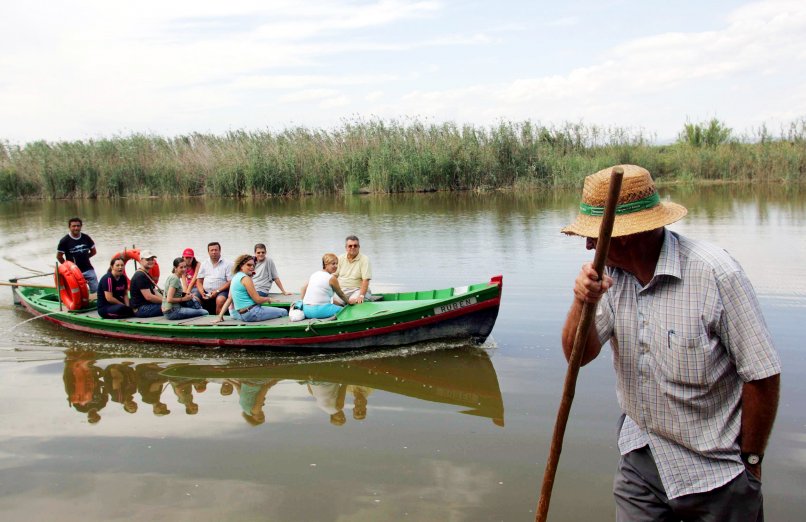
572, 321
759, 406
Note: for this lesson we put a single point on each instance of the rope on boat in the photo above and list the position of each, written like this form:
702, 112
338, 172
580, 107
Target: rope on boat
34, 270
310, 327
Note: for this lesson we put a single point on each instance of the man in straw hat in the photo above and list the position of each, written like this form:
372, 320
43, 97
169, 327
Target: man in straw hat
697, 373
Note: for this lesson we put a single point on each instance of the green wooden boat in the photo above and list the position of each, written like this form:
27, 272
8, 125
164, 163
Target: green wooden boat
395, 319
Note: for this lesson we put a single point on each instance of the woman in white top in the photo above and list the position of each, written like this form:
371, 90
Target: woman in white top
317, 294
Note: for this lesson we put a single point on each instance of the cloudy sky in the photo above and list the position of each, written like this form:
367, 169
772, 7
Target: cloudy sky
90, 69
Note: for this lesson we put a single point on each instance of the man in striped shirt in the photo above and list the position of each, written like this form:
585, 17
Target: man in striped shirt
697, 373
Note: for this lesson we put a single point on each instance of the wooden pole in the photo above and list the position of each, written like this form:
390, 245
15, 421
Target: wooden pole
26, 285
574, 362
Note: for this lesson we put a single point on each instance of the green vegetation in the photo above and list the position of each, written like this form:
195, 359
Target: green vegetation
700, 135
381, 156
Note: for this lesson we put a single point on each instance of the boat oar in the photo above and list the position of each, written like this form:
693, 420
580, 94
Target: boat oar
26, 285
574, 361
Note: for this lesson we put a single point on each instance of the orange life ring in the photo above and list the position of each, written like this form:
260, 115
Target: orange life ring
73, 289
134, 253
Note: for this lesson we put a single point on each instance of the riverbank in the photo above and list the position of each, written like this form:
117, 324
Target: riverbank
380, 157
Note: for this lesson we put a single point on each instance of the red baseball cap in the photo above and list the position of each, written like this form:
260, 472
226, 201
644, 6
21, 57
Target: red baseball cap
188, 253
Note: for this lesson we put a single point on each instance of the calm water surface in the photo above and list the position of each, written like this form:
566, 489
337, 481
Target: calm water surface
92, 429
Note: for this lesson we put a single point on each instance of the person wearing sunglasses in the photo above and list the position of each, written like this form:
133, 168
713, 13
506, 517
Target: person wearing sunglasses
265, 272
354, 273
244, 297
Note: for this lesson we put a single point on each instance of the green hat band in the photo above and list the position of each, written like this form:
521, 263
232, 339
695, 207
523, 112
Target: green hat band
626, 208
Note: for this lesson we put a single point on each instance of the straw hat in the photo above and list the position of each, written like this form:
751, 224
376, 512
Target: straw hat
639, 207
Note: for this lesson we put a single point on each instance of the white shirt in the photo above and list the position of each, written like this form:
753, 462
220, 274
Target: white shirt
215, 276
319, 291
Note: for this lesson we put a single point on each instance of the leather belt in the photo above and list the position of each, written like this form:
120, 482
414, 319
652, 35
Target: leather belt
244, 310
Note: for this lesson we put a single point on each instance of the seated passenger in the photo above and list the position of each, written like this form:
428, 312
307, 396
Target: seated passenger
177, 303
354, 273
265, 272
113, 303
192, 266
317, 294
244, 296
213, 279
145, 298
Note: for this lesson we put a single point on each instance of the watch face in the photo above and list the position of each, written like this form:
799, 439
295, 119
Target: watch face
753, 460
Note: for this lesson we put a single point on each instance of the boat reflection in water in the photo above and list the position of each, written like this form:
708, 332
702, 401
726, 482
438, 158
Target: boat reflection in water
461, 376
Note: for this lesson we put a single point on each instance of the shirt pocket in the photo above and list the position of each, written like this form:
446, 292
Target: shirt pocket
685, 359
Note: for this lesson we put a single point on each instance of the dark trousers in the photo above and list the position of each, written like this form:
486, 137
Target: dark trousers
640, 496
115, 311
208, 304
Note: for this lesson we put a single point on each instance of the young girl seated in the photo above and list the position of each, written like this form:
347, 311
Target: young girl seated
177, 303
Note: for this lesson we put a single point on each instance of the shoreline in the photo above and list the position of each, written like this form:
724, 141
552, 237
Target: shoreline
536, 188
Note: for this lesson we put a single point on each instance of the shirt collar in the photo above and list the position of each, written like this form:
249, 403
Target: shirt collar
669, 259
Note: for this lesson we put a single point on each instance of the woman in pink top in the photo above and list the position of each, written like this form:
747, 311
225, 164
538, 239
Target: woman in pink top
191, 269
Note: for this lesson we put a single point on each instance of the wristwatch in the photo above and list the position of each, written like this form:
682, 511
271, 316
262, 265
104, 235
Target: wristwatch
753, 459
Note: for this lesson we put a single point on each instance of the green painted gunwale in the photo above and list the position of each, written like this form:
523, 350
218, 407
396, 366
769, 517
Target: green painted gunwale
393, 309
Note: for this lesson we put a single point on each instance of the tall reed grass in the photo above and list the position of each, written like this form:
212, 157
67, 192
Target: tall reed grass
383, 156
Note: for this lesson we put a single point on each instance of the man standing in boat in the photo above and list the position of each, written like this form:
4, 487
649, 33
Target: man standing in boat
354, 273
697, 373
78, 248
212, 283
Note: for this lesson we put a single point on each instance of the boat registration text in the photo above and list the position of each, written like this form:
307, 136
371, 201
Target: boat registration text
455, 306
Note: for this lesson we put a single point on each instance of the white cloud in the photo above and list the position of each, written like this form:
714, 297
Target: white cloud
309, 95
567, 21
335, 102
638, 75
93, 68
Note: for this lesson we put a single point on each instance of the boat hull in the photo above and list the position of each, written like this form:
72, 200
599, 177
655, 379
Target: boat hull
466, 313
